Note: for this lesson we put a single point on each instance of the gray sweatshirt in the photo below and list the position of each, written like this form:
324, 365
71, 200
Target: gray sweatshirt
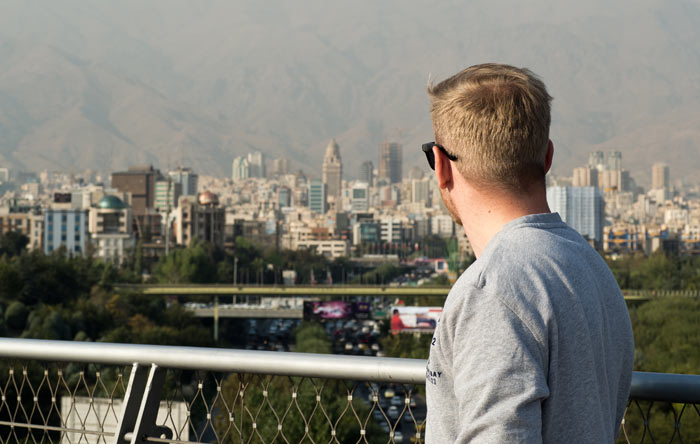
534, 344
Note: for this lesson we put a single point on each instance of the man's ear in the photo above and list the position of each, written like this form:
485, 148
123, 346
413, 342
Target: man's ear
443, 169
548, 158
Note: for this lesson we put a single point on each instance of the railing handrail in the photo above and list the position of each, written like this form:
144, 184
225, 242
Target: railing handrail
667, 387
404, 371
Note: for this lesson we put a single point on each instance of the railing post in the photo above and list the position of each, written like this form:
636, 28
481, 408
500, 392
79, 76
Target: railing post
140, 407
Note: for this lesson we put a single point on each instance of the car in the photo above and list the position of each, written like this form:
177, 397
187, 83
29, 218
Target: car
393, 412
397, 401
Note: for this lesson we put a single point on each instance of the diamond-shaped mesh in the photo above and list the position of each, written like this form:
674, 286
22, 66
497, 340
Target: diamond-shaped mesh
660, 422
69, 403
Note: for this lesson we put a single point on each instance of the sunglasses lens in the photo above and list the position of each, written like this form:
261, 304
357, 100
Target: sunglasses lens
428, 150
431, 159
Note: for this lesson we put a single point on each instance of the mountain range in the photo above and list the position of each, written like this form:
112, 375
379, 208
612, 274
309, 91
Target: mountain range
104, 85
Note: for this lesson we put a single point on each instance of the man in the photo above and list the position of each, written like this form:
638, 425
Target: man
534, 343
396, 322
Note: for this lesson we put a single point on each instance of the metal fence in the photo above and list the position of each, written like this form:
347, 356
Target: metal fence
75, 392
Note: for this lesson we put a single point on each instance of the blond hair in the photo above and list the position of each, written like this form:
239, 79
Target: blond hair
495, 118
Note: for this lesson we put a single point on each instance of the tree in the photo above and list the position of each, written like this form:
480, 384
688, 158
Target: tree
16, 315
193, 264
13, 243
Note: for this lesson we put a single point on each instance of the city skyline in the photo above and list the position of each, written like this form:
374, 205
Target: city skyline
141, 94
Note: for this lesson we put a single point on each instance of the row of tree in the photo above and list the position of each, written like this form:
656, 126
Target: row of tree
255, 264
659, 271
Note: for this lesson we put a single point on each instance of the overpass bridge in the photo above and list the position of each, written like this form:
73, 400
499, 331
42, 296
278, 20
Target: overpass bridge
263, 301
285, 290
249, 312
341, 291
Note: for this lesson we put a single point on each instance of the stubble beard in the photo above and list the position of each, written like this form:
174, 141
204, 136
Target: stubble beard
447, 199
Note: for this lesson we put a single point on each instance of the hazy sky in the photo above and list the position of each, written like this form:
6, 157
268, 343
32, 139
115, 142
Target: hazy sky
107, 84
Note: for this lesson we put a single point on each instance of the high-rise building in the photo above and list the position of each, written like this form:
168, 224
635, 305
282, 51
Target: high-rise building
167, 194
580, 207
596, 159
140, 181
420, 191
390, 162
332, 175
280, 166
360, 196
240, 169
613, 160
442, 225
109, 224
65, 228
367, 172
611, 180
391, 229
256, 165
199, 218
284, 197
585, 177
660, 177
140, 184
187, 178
317, 196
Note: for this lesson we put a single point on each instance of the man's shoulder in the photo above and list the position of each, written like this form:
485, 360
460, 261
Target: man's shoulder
535, 245
533, 265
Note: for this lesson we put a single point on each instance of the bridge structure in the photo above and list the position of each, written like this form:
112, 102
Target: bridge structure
321, 291
286, 301
340, 291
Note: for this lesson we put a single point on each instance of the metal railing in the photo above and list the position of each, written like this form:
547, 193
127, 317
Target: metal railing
81, 392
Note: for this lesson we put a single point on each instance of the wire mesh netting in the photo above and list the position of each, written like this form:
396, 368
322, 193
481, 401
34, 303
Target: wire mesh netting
81, 403
660, 422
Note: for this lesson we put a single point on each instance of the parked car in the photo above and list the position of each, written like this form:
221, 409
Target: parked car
393, 412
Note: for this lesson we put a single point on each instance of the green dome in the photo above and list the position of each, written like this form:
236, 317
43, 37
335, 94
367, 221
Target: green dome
111, 203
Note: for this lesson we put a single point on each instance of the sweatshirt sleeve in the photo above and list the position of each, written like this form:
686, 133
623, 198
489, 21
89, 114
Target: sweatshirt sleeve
499, 370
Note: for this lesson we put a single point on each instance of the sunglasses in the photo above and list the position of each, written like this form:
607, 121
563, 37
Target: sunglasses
428, 150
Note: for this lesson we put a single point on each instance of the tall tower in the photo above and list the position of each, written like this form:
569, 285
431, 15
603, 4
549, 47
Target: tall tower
317, 196
367, 172
390, 162
660, 177
332, 174
256, 164
583, 208
596, 160
613, 161
240, 169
